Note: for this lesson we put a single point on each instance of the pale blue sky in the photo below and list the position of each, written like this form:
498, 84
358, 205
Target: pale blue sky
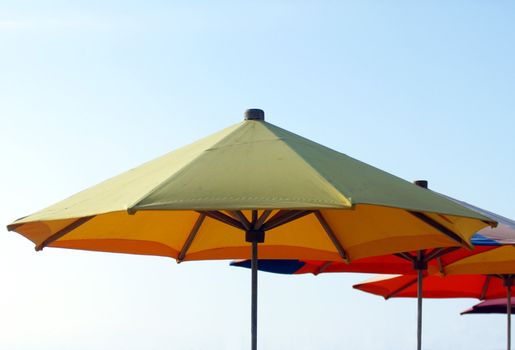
91, 88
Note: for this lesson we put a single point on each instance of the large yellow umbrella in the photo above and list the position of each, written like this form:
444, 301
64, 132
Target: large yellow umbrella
210, 199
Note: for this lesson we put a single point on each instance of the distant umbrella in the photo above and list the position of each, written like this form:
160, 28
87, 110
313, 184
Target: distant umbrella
451, 286
492, 306
406, 263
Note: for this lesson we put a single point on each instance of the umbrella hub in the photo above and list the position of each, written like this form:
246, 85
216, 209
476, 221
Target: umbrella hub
257, 236
420, 264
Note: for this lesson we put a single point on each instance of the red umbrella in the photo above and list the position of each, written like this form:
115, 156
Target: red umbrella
492, 306
451, 286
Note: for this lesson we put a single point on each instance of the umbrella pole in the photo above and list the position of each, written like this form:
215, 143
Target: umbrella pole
255, 237
508, 282
419, 309
254, 294
420, 264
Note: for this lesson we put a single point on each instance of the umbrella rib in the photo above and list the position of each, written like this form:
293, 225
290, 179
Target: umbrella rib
281, 214
226, 219
191, 237
485, 288
332, 236
13, 227
434, 253
322, 268
284, 217
406, 256
436, 225
400, 289
440, 265
241, 218
440, 252
259, 223
63, 231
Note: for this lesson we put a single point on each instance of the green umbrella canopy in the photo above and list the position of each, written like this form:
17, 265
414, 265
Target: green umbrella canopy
254, 165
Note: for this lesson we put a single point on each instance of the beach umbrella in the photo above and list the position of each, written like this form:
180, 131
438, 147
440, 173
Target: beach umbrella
253, 184
495, 275
495, 306
402, 263
491, 306
450, 286
499, 262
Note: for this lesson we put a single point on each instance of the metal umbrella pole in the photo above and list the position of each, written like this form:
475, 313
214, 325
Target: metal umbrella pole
255, 237
254, 294
255, 234
420, 261
420, 265
508, 282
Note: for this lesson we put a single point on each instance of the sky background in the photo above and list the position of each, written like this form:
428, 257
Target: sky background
89, 89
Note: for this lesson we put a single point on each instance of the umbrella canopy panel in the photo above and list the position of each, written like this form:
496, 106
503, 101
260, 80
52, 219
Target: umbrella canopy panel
456, 286
500, 260
493, 306
503, 233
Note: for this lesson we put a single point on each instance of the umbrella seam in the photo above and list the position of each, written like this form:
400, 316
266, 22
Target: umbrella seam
347, 200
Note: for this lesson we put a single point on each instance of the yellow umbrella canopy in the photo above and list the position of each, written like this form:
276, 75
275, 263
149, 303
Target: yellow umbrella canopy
253, 178
497, 261
193, 204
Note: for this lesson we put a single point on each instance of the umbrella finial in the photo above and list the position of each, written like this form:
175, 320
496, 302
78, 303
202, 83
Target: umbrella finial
421, 183
254, 114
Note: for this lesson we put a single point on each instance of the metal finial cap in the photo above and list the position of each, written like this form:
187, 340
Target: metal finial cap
421, 183
254, 114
